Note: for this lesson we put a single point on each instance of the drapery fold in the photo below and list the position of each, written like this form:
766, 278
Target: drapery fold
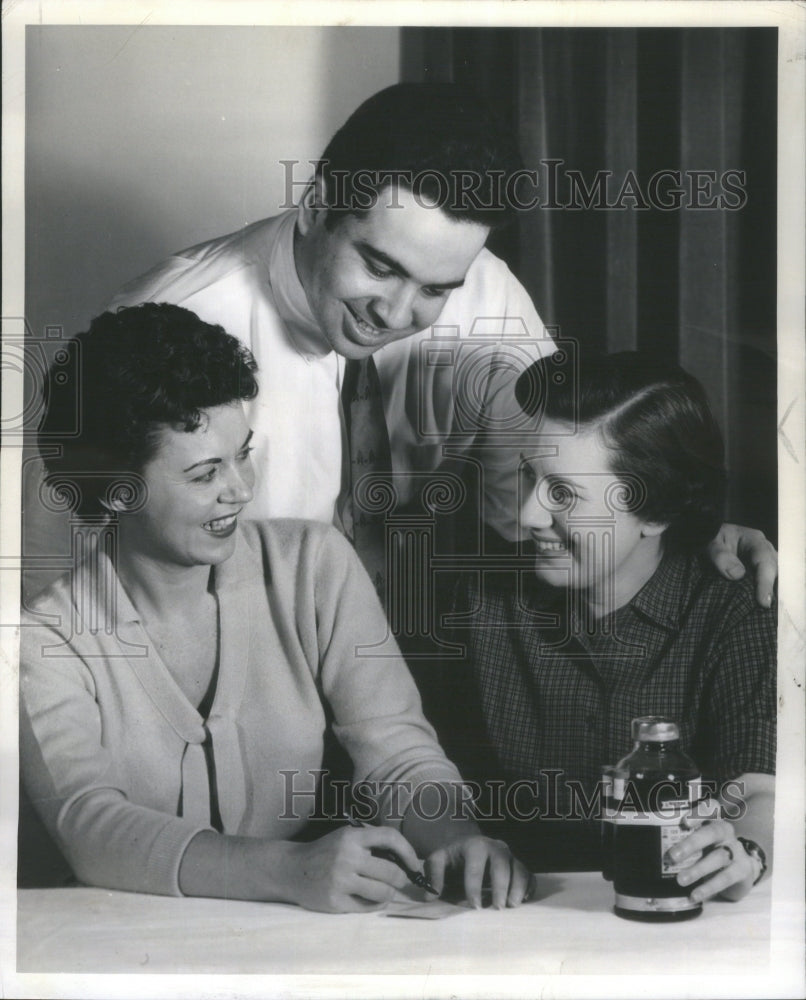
615, 121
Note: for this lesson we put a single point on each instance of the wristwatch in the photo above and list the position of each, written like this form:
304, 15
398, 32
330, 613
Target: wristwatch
753, 849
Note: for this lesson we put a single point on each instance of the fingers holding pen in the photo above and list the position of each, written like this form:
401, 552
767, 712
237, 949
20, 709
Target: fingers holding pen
338, 873
391, 848
387, 839
436, 867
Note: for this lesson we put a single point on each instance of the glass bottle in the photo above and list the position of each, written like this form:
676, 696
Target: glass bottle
647, 795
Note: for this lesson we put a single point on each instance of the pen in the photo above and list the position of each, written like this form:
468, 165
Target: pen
415, 877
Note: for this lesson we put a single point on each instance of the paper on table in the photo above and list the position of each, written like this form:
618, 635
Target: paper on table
424, 911
412, 902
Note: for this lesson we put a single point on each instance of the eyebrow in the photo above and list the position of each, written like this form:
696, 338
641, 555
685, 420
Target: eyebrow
217, 461
552, 477
368, 250
565, 480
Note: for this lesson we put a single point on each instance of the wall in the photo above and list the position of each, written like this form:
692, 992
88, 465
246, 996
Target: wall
143, 140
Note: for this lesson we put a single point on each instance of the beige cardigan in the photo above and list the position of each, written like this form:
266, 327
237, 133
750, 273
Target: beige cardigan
111, 750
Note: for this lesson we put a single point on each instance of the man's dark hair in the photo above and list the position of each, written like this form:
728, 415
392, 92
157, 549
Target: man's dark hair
136, 371
656, 420
438, 140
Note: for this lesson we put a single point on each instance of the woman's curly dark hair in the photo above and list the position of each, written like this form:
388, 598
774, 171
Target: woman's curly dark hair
136, 370
656, 419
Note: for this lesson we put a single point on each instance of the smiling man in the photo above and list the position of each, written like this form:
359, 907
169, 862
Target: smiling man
380, 278
384, 258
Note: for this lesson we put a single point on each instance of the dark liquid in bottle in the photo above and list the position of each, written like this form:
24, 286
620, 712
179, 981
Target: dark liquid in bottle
640, 885
646, 887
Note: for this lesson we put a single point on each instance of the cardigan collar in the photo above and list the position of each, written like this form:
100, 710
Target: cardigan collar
102, 589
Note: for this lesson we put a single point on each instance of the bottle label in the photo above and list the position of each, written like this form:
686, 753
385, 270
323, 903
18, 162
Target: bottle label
668, 816
662, 793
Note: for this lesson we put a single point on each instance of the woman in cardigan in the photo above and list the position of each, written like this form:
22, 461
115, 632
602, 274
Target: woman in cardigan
180, 687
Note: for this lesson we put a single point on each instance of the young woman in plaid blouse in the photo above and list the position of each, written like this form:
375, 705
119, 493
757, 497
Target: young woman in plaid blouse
619, 616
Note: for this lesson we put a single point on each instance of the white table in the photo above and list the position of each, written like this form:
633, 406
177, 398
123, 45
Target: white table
570, 929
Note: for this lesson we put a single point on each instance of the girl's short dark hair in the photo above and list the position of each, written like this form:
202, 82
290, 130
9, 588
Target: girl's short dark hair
656, 420
136, 371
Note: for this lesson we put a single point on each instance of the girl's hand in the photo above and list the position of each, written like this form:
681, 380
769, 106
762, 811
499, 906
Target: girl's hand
475, 855
338, 874
720, 855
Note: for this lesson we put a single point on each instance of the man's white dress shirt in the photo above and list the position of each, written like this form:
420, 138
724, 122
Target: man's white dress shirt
443, 388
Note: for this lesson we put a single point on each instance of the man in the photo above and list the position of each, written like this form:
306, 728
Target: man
331, 281
384, 257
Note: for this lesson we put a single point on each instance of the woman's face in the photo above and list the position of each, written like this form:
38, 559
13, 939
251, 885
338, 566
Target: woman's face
573, 510
197, 483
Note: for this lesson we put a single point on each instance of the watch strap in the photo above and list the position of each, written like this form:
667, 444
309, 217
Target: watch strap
755, 851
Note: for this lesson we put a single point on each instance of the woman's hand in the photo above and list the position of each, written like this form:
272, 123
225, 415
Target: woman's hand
476, 854
338, 873
720, 855
735, 548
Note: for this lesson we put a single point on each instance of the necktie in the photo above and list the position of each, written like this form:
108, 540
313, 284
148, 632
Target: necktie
369, 463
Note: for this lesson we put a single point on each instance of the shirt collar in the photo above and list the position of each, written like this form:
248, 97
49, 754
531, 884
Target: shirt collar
289, 295
233, 573
666, 596
101, 583
663, 599
97, 586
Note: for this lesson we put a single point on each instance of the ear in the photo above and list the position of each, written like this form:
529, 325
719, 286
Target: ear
651, 529
124, 495
114, 506
312, 206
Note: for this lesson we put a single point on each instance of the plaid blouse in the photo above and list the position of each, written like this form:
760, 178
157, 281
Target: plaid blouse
542, 694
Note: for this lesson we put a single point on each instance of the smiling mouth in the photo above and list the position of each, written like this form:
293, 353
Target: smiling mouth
365, 329
546, 547
222, 527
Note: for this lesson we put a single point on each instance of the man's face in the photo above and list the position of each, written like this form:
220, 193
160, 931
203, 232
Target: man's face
385, 275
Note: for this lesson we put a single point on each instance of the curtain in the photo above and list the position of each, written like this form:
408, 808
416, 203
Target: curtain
655, 228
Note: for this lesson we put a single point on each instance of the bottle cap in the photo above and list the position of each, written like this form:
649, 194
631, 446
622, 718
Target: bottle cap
654, 729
